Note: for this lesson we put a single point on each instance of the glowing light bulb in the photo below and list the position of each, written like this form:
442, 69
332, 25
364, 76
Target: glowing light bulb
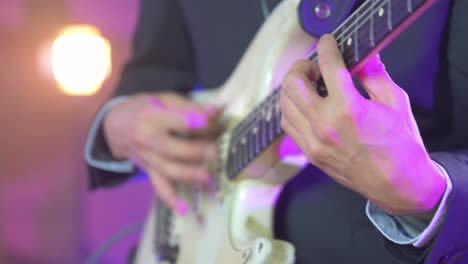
81, 60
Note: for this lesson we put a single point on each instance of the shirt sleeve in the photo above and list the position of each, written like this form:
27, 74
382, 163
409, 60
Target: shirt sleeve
410, 230
97, 153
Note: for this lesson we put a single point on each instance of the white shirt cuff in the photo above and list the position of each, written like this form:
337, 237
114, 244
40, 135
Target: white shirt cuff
410, 230
125, 166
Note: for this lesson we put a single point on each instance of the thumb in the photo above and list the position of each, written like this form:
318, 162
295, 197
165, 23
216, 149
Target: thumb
378, 84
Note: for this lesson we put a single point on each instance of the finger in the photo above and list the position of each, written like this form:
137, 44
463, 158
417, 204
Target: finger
312, 154
294, 135
333, 69
166, 192
176, 102
174, 170
295, 117
306, 68
378, 84
199, 116
211, 129
182, 119
299, 89
183, 150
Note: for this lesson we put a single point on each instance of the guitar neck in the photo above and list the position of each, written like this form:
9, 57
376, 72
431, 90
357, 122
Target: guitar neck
365, 32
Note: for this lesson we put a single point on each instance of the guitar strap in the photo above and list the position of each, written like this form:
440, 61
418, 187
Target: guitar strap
318, 17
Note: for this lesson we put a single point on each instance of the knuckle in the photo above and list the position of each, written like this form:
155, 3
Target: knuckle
137, 138
288, 82
314, 153
403, 96
185, 174
347, 113
193, 151
168, 169
145, 114
166, 195
325, 134
284, 124
300, 65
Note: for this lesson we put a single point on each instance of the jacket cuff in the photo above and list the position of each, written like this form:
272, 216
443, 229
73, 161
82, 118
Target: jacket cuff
97, 153
410, 230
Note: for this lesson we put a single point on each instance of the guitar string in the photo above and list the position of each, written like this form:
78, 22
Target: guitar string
246, 126
270, 105
265, 11
356, 13
349, 27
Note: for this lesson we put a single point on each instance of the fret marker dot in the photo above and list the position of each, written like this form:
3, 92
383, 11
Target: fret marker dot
268, 115
349, 42
381, 12
254, 130
243, 141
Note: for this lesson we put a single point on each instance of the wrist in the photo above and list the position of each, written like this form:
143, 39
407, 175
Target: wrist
113, 135
432, 188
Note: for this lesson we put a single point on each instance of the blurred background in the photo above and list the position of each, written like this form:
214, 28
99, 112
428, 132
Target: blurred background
46, 213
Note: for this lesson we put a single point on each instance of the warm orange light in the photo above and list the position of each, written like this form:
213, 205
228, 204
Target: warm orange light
81, 60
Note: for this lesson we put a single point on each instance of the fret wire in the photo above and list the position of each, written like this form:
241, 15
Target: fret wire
269, 124
389, 15
248, 125
380, 36
347, 59
372, 36
356, 39
245, 159
348, 27
366, 15
250, 146
245, 126
350, 18
274, 98
341, 35
340, 38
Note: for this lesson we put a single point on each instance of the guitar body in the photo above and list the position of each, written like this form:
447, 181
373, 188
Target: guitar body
232, 221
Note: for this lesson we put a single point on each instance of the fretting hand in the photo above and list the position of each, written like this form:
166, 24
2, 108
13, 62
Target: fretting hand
371, 146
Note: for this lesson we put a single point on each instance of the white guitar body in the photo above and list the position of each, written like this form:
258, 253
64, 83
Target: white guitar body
233, 222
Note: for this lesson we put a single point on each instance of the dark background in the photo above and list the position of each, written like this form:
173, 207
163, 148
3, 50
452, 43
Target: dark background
46, 213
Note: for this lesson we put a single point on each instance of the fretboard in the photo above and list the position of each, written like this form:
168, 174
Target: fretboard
367, 30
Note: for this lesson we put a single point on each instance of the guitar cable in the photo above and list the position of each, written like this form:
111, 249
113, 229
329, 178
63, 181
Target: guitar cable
112, 241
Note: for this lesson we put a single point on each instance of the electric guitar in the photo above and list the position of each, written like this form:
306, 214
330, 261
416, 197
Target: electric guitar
231, 221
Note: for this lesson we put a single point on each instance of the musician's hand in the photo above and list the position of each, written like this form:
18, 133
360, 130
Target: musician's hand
143, 128
371, 146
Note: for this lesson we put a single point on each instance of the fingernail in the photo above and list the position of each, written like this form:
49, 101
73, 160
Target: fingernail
196, 121
155, 101
182, 207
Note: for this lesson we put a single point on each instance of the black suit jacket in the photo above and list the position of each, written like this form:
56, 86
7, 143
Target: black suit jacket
181, 43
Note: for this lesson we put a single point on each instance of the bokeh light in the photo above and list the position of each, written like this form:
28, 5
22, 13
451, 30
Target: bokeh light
81, 60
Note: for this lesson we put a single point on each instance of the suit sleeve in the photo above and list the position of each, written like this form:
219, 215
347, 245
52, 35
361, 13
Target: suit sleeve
162, 60
451, 243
